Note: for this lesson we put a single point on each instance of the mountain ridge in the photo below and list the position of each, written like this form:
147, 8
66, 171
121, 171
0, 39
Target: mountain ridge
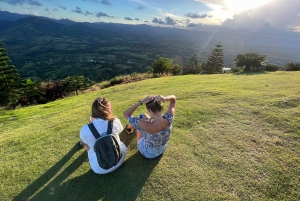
122, 49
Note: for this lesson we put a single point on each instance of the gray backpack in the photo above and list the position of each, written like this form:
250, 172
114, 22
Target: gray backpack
107, 148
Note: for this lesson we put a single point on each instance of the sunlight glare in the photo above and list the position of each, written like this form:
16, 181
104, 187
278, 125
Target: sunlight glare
241, 5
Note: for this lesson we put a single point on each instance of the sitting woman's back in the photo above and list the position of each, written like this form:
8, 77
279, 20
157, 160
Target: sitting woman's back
102, 113
153, 132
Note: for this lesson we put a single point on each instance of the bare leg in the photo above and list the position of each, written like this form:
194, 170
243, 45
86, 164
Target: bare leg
139, 135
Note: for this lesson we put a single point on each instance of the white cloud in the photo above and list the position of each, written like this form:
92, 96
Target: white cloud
35, 13
215, 5
233, 5
282, 14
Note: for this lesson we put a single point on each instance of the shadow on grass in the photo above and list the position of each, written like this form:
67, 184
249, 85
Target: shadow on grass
125, 183
251, 73
127, 138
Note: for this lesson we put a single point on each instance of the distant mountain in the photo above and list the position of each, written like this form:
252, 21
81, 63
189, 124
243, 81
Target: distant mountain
34, 26
46, 48
280, 46
141, 29
7, 16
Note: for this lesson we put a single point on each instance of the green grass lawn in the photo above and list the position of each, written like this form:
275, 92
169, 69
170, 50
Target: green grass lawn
235, 137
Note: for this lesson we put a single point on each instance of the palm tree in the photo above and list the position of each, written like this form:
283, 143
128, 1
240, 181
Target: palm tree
250, 61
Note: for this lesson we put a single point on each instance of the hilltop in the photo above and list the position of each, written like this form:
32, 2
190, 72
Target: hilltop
235, 137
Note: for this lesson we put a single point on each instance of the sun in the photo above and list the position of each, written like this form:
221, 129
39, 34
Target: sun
241, 5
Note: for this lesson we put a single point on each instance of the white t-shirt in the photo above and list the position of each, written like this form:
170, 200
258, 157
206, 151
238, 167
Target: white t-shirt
87, 137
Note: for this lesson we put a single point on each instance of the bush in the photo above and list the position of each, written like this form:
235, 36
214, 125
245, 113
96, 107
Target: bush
186, 70
176, 69
161, 66
32, 93
271, 68
292, 67
236, 70
116, 80
52, 90
104, 84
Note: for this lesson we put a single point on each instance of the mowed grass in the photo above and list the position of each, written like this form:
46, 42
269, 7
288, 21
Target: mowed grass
234, 137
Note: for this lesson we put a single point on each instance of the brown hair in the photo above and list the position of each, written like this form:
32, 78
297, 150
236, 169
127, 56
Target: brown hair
154, 106
101, 110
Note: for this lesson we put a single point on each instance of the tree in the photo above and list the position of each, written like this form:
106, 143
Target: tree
176, 69
76, 83
161, 66
292, 67
9, 81
215, 61
32, 92
250, 61
271, 68
193, 66
52, 90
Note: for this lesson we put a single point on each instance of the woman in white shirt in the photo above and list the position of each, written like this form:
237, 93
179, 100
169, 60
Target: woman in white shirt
102, 113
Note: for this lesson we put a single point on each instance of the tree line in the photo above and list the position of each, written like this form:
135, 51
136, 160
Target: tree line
248, 62
14, 91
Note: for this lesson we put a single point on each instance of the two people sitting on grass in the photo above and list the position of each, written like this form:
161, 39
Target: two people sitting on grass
101, 138
152, 131
105, 123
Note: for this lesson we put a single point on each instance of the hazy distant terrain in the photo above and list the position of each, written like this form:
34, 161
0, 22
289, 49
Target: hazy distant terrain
44, 48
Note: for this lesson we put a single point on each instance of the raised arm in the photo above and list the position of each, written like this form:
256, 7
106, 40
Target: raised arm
127, 113
172, 102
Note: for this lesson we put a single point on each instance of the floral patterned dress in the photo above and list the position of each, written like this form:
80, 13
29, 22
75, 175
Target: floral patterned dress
152, 145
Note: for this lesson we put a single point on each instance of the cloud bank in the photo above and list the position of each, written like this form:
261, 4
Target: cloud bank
280, 14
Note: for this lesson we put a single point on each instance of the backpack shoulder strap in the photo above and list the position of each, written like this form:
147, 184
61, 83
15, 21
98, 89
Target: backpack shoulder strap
94, 131
109, 127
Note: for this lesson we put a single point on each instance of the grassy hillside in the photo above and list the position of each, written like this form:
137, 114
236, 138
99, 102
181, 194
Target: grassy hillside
235, 137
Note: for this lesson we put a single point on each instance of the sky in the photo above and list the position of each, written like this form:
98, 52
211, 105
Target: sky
189, 14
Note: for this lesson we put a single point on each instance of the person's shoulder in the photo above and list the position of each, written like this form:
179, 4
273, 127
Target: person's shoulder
132, 119
84, 129
85, 126
169, 116
116, 121
118, 125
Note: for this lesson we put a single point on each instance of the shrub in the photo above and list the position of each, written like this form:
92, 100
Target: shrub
32, 93
236, 70
292, 67
52, 91
271, 68
104, 84
161, 66
176, 69
116, 80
